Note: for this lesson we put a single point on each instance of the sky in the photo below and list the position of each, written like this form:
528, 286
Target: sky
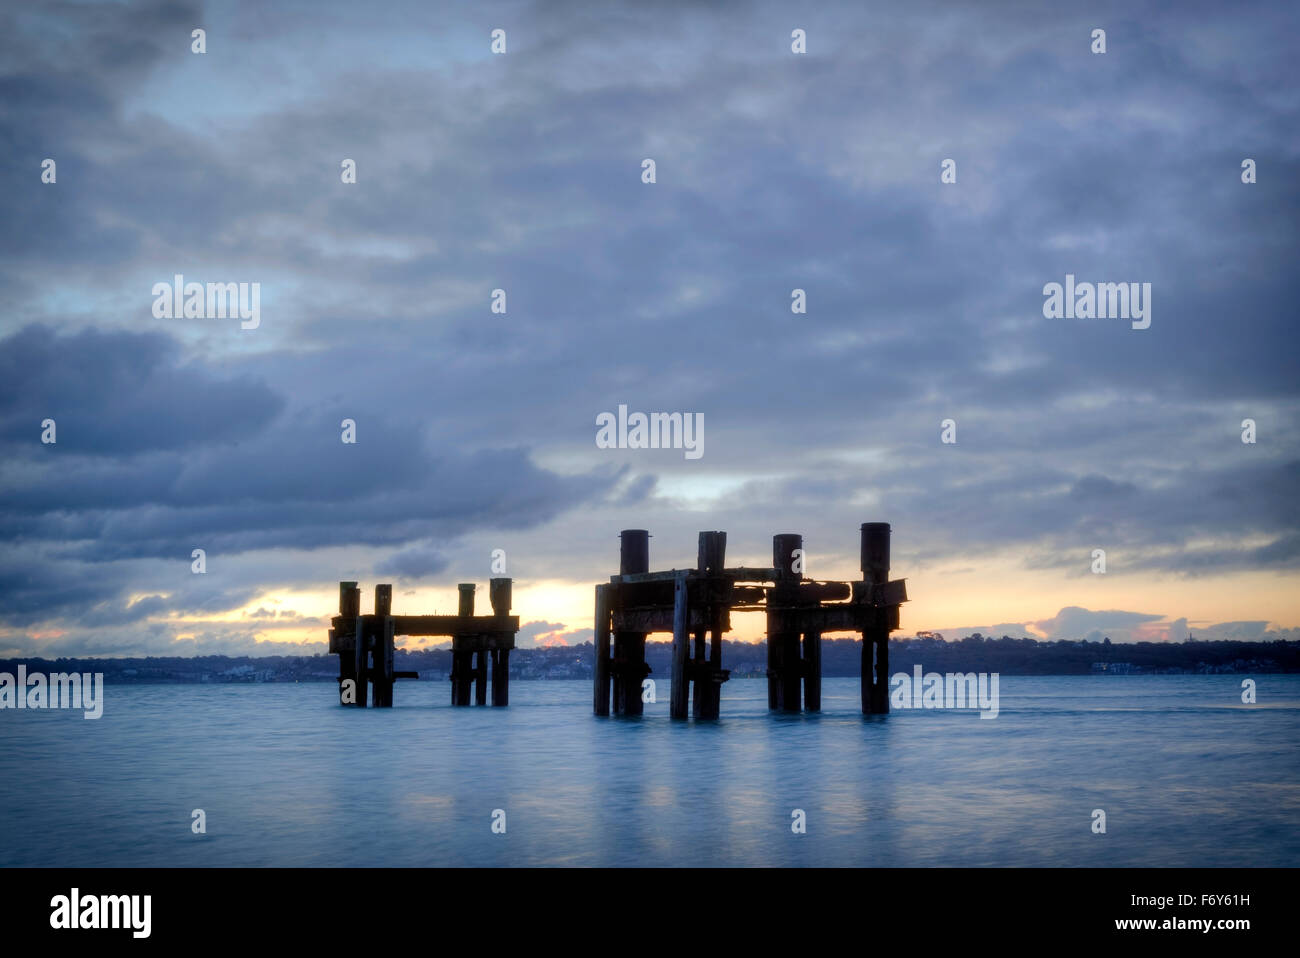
523, 171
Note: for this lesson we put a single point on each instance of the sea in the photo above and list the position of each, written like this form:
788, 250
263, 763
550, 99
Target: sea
1182, 772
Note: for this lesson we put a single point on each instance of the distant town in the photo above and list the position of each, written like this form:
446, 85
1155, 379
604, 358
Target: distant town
840, 657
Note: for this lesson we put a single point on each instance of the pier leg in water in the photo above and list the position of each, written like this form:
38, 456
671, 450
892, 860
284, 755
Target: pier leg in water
629, 647
362, 664
784, 670
812, 676
600, 699
481, 678
500, 591
875, 640
462, 658
349, 609
501, 677
383, 650
680, 697
710, 562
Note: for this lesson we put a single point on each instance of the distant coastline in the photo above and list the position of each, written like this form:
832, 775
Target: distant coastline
841, 657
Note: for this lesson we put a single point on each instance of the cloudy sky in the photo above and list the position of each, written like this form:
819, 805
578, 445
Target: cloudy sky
522, 171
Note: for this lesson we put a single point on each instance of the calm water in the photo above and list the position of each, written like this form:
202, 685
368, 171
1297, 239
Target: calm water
1186, 774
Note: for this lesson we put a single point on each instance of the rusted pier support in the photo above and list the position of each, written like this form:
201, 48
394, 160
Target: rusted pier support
343, 633
499, 594
381, 651
361, 658
695, 605
477, 641
601, 667
714, 593
692, 604
629, 670
883, 618
365, 645
812, 670
463, 672
679, 692
784, 666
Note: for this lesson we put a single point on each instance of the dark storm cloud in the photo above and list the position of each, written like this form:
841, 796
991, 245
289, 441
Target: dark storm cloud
257, 481
522, 172
117, 394
66, 68
415, 563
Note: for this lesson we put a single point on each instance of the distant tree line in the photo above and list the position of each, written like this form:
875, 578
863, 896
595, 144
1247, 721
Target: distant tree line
840, 657
1023, 656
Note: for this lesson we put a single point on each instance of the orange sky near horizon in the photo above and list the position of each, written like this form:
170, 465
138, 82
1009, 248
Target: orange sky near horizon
940, 600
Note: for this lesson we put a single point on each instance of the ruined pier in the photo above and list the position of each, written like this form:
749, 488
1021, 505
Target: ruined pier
364, 645
695, 605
